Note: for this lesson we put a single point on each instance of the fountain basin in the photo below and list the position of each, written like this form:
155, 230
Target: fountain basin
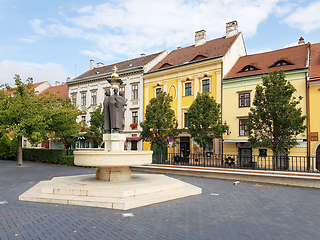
112, 165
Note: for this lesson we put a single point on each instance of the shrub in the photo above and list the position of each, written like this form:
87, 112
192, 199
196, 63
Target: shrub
53, 156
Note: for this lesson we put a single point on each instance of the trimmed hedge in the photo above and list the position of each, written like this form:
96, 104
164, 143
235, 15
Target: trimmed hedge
53, 156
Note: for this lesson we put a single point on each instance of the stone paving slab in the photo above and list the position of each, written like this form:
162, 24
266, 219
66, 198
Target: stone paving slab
249, 210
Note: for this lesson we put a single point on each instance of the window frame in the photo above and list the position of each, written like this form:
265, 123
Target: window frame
83, 99
189, 89
135, 118
209, 85
243, 123
134, 91
156, 93
93, 97
186, 121
245, 103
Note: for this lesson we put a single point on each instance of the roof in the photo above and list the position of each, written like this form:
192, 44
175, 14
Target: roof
128, 64
34, 86
211, 49
265, 62
60, 91
315, 62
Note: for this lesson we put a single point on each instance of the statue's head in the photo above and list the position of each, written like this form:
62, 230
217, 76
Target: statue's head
107, 93
115, 91
121, 93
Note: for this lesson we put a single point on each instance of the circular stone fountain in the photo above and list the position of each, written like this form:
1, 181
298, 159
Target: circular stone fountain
113, 162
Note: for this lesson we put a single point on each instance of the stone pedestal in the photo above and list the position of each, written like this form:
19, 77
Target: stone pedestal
113, 174
114, 141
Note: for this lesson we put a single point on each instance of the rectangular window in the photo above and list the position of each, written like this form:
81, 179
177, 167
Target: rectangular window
314, 136
243, 127
135, 117
262, 152
188, 89
83, 118
94, 98
83, 99
158, 90
135, 91
123, 89
244, 99
205, 86
186, 120
74, 99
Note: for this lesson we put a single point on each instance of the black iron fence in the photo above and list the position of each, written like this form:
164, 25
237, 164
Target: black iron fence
273, 163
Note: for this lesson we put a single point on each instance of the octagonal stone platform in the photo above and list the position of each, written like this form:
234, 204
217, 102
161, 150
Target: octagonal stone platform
86, 190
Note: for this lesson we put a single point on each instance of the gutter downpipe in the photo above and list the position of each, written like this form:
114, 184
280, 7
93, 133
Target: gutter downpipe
222, 105
307, 76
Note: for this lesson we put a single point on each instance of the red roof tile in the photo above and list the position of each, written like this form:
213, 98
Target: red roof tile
211, 49
132, 63
60, 91
264, 62
315, 62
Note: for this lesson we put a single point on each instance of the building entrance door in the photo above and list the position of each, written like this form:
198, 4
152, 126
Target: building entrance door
245, 157
318, 158
184, 150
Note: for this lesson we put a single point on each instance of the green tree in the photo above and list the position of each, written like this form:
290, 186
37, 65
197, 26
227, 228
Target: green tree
205, 120
275, 120
95, 131
63, 124
160, 121
25, 114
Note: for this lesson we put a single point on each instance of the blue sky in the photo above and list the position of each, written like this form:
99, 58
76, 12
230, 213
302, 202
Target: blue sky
53, 40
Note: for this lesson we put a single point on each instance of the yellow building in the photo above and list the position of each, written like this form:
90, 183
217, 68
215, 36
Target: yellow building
314, 100
194, 69
239, 91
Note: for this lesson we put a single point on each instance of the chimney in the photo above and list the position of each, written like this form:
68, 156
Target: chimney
301, 41
68, 79
91, 64
99, 64
231, 29
200, 38
142, 55
57, 83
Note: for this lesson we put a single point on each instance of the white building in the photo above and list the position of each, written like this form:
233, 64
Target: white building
88, 91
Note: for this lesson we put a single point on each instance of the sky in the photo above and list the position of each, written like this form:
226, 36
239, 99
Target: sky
53, 40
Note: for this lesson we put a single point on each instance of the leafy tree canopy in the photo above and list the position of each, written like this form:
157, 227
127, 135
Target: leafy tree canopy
205, 119
275, 120
160, 121
25, 114
95, 131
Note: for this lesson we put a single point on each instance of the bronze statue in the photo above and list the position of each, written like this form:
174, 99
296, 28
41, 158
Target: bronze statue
113, 107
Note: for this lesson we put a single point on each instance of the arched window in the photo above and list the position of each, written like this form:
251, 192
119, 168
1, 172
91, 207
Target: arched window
249, 68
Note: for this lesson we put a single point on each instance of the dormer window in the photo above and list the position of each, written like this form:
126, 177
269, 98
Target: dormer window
249, 68
280, 63
165, 65
198, 57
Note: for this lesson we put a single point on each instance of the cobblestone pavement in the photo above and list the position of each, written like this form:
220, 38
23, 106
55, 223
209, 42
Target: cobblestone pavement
245, 211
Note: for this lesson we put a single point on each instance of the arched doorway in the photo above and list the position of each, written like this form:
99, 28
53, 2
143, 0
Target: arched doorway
318, 158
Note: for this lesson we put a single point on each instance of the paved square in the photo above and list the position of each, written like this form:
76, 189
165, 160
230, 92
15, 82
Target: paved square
245, 211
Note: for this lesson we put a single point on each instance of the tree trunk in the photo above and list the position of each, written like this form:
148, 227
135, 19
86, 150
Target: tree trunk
274, 159
20, 162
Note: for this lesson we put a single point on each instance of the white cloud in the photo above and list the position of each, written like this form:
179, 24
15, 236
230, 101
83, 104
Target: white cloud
50, 72
130, 27
35, 24
306, 19
29, 39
